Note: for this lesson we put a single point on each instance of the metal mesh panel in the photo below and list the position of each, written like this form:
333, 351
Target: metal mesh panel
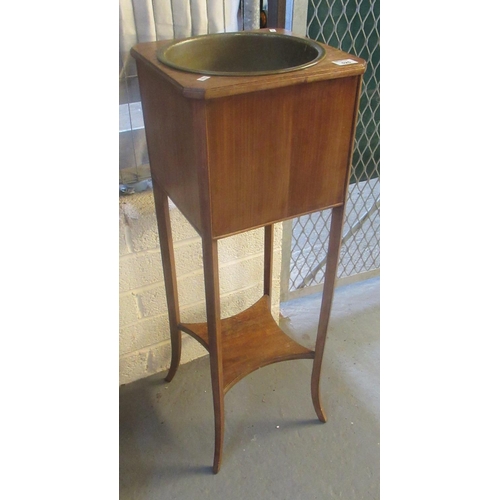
352, 26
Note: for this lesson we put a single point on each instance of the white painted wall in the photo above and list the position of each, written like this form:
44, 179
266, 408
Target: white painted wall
296, 16
144, 331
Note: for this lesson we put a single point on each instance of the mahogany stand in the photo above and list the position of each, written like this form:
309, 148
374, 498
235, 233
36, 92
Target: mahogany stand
234, 154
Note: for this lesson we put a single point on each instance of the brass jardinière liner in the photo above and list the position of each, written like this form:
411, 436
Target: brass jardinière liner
241, 54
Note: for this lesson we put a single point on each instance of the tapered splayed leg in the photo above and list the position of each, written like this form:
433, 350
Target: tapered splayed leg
335, 239
212, 298
167, 257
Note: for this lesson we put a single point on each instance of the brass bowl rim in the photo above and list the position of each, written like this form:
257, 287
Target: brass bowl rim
161, 53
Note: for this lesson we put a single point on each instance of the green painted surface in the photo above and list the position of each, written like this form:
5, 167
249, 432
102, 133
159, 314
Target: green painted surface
354, 26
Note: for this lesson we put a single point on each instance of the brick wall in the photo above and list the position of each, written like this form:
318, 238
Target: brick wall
144, 333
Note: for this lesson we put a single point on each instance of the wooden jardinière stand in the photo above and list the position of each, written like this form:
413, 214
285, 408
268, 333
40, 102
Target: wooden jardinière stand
238, 153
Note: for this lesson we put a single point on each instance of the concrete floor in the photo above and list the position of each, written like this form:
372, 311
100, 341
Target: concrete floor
274, 448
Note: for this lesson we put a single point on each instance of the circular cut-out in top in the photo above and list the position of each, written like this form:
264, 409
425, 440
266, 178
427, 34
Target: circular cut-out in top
241, 54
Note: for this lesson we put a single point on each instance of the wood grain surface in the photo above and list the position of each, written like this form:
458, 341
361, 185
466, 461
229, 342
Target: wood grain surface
250, 340
234, 154
219, 86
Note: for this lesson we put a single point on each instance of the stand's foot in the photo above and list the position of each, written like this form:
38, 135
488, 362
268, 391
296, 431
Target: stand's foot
218, 397
176, 345
219, 443
317, 400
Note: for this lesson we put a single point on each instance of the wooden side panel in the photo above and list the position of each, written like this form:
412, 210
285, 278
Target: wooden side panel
169, 123
279, 153
248, 153
321, 142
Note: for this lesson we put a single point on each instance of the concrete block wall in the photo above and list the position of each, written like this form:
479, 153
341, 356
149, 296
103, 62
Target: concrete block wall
144, 332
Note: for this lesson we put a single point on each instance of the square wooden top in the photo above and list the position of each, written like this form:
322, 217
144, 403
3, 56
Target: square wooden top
189, 84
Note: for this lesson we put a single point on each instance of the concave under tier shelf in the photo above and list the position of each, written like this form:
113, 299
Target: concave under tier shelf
250, 340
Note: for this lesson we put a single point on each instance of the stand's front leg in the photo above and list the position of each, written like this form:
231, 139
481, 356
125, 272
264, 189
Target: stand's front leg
212, 296
334, 242
167, 257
